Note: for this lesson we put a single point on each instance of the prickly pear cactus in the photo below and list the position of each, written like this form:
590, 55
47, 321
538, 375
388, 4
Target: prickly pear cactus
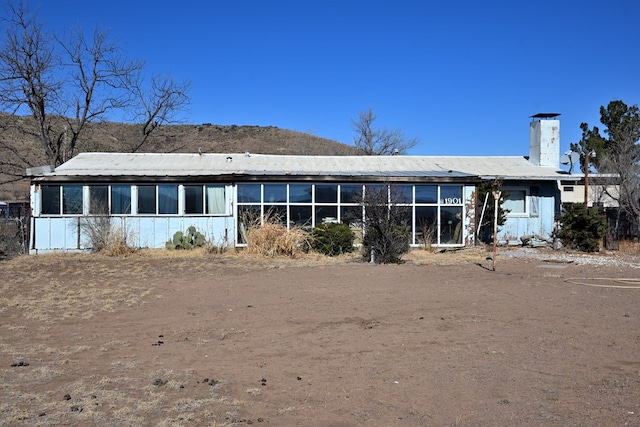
192, 239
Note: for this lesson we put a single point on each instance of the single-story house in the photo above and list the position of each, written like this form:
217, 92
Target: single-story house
152, 196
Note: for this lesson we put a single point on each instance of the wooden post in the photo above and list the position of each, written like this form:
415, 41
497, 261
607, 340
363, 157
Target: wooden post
496, 199
586, 179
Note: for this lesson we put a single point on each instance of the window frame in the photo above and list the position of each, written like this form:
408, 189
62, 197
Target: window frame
509, 190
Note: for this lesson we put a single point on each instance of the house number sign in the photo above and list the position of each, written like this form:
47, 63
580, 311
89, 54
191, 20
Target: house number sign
452, 201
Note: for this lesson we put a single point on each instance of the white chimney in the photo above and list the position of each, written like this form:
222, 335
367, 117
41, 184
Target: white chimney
544, 140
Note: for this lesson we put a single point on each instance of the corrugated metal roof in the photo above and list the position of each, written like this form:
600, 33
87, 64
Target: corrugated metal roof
186, 164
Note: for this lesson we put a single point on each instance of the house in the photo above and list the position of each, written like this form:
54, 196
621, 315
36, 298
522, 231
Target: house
152, 196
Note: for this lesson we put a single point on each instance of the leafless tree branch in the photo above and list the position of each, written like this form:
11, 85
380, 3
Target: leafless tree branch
379, 142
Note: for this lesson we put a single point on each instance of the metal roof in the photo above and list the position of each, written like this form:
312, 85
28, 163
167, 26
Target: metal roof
141, 165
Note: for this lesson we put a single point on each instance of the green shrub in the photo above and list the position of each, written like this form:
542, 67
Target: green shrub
581, 227
332, 239
189, 240
386, 244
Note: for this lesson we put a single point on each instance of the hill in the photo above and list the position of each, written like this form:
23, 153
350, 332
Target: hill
186, 138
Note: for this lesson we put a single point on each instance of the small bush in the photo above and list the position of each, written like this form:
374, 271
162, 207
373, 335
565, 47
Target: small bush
189, 240
332, 239
387, 244
386, 226
581, 227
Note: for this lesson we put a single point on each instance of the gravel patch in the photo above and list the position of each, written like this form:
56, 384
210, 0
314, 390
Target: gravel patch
611, 259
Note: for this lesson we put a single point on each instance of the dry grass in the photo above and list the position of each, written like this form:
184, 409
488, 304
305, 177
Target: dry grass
447, 256
63, 289
629, 247
54, 291
272, 240
268, 237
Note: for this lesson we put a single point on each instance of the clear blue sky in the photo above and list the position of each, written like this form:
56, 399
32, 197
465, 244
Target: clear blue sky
463, 77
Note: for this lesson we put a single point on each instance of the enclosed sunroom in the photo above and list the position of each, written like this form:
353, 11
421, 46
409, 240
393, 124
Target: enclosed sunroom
152, 196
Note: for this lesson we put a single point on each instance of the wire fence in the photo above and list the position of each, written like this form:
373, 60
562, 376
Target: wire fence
14, 230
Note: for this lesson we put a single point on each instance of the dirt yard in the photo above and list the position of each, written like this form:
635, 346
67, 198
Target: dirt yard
227, 340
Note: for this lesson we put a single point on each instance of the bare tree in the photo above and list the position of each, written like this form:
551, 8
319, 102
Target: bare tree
161, 103
67, 82
387, 221
379, 142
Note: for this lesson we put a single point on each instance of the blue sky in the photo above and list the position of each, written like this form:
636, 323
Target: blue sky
462, 77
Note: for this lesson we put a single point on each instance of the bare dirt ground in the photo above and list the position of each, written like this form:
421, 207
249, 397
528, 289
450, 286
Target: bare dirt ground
442, 340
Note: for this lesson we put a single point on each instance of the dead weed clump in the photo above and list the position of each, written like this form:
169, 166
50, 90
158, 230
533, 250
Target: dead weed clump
272, 240
118, 246
267, 236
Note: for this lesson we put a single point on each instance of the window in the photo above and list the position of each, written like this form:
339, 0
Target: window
50, 199
350, 193
376, 192
193, 199
215, 200
72, 199
401, 193
326, 193
99, 199
121, 199
275, 193
146, 199
426, 218
300, 215
300, 193
249, 193
515, 201
167, 199
451, 225
326, 214
451, 195
426, 193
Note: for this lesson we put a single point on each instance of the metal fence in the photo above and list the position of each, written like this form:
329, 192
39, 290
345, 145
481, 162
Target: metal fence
14, 229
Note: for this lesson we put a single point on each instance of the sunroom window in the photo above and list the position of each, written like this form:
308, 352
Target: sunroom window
146, 199
50, 199
167, 199
121, 199
99, 199
72, 199
215, 200
193, 199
